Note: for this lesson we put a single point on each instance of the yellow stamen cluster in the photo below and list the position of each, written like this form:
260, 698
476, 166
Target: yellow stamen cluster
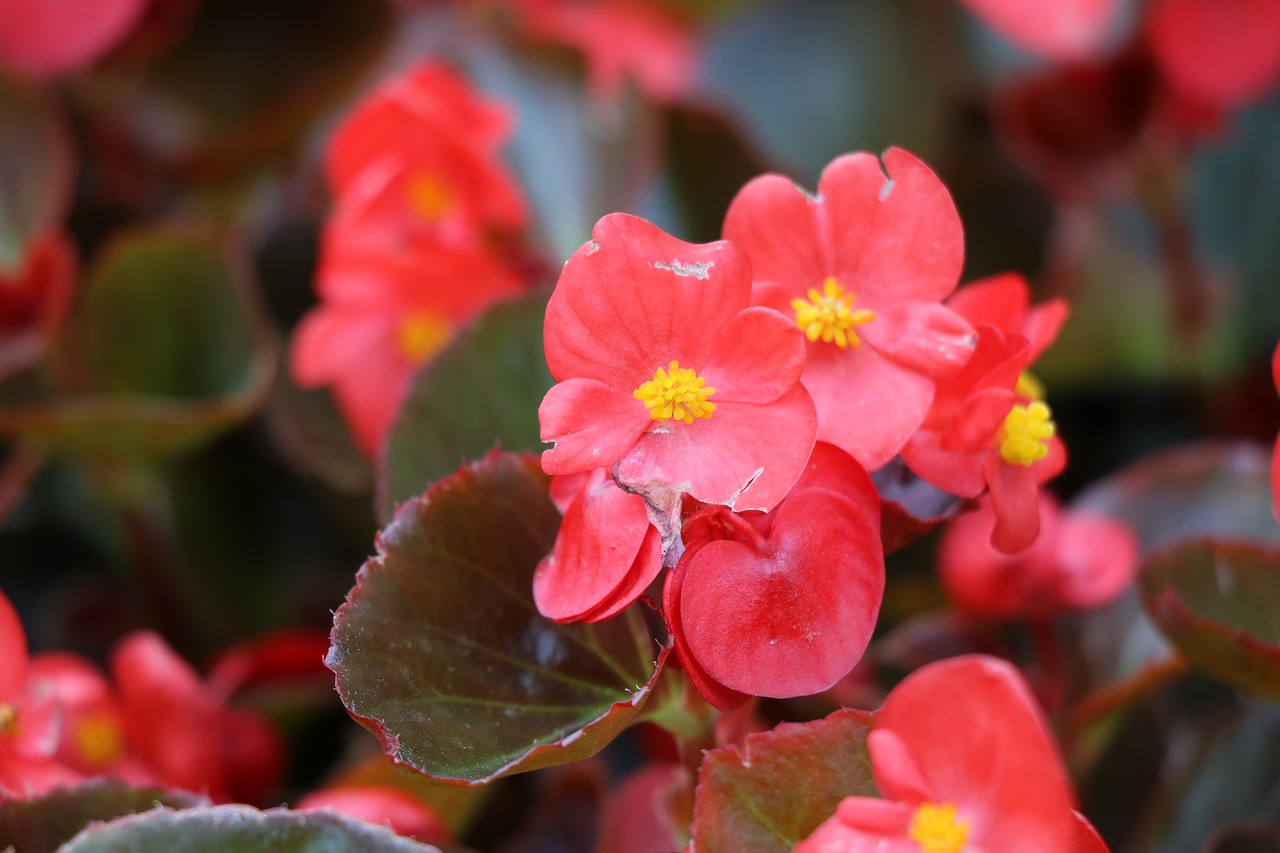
829, 315
8, 720
935, 828
1027, 430
420, 336
676, 392
99, 740
429, 197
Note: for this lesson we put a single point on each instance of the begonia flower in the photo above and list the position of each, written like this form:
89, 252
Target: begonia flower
383, 805
382, 315
30, 718
647, 42
1224, 53
781, 603
92, 740
667, 377
966, 764
861, 267
989, 428
605, 555
1080, 561
1063, 30
44, 38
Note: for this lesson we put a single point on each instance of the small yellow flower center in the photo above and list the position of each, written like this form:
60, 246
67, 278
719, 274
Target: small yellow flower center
429, 197
8, 720
99, 740
1027, 430
935, 828
676, 392
1029, 387
829, 315
420, 336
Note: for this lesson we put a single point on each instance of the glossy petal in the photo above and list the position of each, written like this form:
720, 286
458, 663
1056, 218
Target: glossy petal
1063, 30
1221, 52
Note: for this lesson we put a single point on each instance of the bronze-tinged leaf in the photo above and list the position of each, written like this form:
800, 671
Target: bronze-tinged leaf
776, 788
1217, 602
441, 653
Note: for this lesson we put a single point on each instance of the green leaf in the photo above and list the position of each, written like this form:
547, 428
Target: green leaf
441, 653
1216, 602
37, 151
239, 829
780, 785
42, 824
484, 389
179, 349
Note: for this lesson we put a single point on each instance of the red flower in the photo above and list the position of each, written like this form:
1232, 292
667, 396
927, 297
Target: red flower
966, 764
1222, 53
782, 603
620, 39
30, 718
1079, 561
1061, 30
989, 427
41, 38
382, 315
33, 300
605, 555
861, 267
382, 804
665, 372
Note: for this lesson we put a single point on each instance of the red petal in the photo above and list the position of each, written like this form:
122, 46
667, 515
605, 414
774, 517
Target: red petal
13, 651
923, 336
1064, 30
47, 37
713, 691
794, 616
1098, 557
760, 357
1222, 52
1015, 500
382, 804
958, 472
863, 825
776, 223
636, 298
591, 424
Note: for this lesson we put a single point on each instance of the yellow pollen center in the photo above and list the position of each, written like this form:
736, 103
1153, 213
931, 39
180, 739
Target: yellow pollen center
935, 828
676, 392
8, 720
420, 336
1029, 387
98, 740
1027, 430
829, 315
429, 197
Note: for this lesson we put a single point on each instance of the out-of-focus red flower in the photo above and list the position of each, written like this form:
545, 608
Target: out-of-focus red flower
1275, 454
861, 268
1064, 30
43, 38
989, 428
92, 740
620, 39
1079, 561
382, 315
965, 762
382, 804
1223, 53
782, 603
30, 718
637, 817
665, 372
606, 552
33, 300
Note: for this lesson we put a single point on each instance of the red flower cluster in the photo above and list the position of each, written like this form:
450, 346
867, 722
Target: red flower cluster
61, 720
718, 407
408, 254
997, 787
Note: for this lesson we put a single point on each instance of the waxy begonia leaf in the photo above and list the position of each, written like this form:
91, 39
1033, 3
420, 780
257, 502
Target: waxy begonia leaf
33, 198
440, 651
1216, 490
1216, 602
484, 389
177, 346
42, 824
776, 788
240, 829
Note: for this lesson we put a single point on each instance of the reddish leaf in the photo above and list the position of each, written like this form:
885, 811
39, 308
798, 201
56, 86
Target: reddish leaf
1216, 602
441, 653
779, 785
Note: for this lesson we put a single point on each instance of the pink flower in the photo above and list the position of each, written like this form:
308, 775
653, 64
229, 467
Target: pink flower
667, 376
782, 603
966, 764
1063, 29
1221, 53
861, 268
1079, 561
44, 38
